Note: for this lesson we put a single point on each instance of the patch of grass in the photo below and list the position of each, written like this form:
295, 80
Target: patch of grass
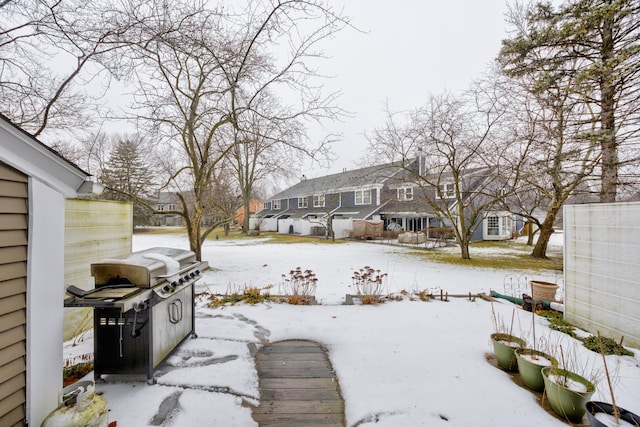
609, 346
71, 374
160, 230
294, 238
514, 261
250, 295
557, 322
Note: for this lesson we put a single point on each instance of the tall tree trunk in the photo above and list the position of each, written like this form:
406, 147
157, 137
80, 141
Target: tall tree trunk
247, 212
330, 228
464, 247
545, 232
530, 233
609, 147
194, 232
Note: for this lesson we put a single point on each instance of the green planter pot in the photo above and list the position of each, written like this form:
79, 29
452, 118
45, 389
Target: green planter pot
567, 403
531, 370
504, 346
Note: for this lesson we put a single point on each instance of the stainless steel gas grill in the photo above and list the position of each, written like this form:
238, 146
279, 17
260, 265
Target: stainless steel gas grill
143, 309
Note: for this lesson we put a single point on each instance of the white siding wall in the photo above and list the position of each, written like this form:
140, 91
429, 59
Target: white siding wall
602, 269
44, 300
342, 227
285, 224
266, 224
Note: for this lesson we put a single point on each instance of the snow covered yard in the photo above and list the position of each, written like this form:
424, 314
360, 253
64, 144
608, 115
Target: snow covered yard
401, 363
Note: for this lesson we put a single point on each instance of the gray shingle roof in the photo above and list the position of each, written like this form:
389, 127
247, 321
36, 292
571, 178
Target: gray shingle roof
356, 178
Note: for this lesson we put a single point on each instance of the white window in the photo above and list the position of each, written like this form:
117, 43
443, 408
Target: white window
256, 208
172, 207
302, 202
160, 208
363, 197
447, 191
276, 204
507, 225
493, 225
318, 201
405, 193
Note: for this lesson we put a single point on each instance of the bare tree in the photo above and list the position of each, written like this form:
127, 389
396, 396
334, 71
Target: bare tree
46, 49
198, 80
558, 149
267, 143
452, 138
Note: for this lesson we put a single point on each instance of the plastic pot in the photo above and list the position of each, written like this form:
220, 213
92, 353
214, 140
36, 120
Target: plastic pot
504, 346
567, 402
595, 408
530, 370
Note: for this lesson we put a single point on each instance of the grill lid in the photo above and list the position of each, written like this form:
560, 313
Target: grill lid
145, 268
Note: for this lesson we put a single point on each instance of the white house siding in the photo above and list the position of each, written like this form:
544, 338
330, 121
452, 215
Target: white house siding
264, 224
287, 226
94, 230
44, 300
601, 268
342, 228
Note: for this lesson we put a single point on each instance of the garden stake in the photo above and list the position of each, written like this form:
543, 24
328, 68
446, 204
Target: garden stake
495, 319
513, 313
606, 371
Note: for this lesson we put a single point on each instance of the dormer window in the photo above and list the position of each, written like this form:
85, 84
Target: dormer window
276, 204
363, 197
303, 202
160, 208
447, 191
318, 201
405, 193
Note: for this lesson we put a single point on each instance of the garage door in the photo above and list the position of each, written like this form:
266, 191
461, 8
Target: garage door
13, 286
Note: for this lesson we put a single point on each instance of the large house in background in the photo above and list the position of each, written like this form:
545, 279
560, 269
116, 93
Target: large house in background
166, 201
383, 193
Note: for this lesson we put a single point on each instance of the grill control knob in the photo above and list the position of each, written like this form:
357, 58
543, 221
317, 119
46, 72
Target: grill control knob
192, 275
197, 272
166, 288
181, 280
174, 284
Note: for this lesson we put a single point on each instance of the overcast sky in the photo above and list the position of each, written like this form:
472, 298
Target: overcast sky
412, 48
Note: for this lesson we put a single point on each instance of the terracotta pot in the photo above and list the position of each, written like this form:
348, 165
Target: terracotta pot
545, 291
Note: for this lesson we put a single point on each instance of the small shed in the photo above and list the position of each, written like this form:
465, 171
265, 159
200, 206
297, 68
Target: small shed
34, 183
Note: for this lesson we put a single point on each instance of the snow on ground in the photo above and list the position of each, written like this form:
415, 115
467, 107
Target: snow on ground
401, 363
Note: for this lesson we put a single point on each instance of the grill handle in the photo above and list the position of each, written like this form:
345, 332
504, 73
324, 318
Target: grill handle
187, 268
175, 311
81, 293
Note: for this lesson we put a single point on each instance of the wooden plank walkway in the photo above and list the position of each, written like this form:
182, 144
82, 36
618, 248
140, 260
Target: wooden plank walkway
298, 386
